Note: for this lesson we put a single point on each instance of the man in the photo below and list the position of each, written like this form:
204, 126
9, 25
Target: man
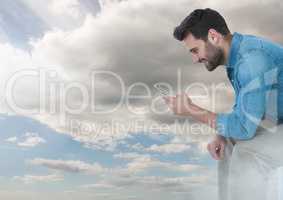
249, 156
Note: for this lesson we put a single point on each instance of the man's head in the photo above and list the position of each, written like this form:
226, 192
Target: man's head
204, 32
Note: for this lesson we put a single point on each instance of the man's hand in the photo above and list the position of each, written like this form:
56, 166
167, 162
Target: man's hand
216, 147
182, 104
179, 104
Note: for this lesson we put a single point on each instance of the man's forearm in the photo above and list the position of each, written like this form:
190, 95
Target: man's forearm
203, 115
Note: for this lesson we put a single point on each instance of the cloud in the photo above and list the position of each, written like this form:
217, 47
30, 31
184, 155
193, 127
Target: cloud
28, 179
98, 186
144, 162
68, 7
169, 148
133, 178
136, 163
105, 3
73, 166
66, 14
165, 185
130, 156
29, 140
12, 139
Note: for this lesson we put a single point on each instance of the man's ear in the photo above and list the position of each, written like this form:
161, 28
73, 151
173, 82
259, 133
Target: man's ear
213, 36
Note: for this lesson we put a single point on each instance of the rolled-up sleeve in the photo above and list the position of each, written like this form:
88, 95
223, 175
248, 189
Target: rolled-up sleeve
254, 73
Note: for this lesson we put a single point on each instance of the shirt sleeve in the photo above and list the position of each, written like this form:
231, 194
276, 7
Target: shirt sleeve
254, 74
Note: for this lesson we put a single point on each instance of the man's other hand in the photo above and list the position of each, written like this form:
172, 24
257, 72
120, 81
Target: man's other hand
216, 147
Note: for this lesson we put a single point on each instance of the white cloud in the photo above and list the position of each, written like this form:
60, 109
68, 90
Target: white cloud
137, 147
62, 14
12, 139
106, 3
98, 186
169, 148
128, 179
27, 179
166, 185
29, 140
74, 166
66, 7
137, 163
143, 162
130, 156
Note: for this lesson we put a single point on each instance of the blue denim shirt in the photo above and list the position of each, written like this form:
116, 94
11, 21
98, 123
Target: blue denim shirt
254, 69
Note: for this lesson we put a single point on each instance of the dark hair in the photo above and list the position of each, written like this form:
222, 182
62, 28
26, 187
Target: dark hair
199, 22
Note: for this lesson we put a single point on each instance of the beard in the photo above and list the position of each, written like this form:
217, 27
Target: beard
215, 56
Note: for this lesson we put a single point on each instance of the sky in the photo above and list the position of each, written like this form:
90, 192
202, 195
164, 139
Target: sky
80, 117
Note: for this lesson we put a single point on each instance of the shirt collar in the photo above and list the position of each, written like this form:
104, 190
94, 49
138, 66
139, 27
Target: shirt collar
235, 44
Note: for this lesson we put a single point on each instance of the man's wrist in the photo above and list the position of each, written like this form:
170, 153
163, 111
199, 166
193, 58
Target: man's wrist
193, 109
202, 115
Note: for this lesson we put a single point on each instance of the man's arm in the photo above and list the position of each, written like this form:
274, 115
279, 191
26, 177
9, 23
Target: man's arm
255, 78
202, 115
185, 107
255, 75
